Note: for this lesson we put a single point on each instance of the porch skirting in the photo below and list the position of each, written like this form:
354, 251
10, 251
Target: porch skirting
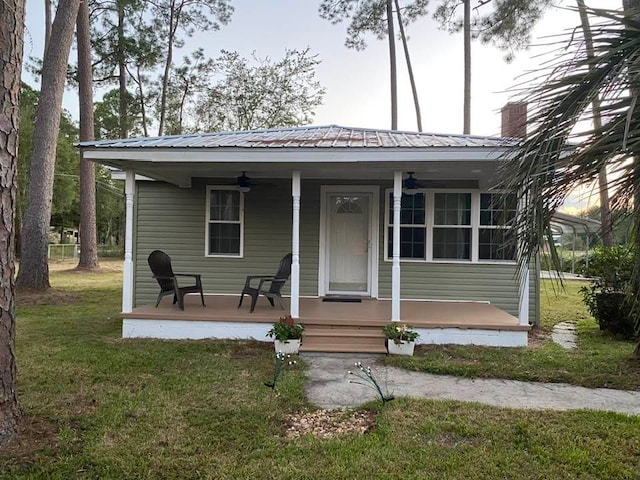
333, 326
190, 330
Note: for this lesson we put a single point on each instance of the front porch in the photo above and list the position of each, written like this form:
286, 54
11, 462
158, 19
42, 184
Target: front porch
329, 326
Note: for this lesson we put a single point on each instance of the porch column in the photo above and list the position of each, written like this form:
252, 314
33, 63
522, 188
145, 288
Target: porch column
395, 269
524, 297
295, 246
523, 310
127, 280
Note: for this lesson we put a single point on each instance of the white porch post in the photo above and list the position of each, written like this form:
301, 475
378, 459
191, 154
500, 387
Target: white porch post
524, 297
295, 246
127, 280
523, 310
395, 269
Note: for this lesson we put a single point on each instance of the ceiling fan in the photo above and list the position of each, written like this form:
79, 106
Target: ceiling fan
411, 185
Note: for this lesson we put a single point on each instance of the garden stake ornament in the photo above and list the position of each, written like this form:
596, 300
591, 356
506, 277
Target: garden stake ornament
365, 377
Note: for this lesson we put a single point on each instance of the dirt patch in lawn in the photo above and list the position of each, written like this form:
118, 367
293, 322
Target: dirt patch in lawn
34, 434
329, 423
51, 296
538, 337
77, 404
247, 350
107, 265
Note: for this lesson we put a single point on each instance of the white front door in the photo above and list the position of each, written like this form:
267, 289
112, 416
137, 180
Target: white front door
348, 243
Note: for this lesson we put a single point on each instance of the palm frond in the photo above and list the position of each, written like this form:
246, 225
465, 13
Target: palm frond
564, 150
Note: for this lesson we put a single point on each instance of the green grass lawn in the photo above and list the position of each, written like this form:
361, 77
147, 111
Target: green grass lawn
99, 407
600, 360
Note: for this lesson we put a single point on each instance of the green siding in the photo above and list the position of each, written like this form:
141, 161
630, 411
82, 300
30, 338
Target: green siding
173, 219
493, 282
454, 281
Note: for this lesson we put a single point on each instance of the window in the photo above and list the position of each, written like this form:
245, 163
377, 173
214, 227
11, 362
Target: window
224, 222
497, 212
439, 225
412, 227
452, 226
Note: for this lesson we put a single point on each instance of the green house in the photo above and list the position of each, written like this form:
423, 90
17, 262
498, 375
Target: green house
383, 226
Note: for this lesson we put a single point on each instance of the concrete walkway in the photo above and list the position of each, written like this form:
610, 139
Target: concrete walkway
329, 387
564, 334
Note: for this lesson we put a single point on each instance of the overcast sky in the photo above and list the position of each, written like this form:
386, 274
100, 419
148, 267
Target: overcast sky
357, 83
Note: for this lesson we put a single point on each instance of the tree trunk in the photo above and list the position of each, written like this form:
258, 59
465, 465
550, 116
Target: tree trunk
34, 269
167, 68
606, 224
405, 46
122, 75
143, 110
392, 66
47, 23
88, 237
11, 43
466, 128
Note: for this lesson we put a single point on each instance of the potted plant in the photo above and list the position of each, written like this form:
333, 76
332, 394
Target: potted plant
286, 335
401, 338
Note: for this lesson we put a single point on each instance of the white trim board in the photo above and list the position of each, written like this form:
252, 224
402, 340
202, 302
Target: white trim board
459, 336
293, 155
192, 330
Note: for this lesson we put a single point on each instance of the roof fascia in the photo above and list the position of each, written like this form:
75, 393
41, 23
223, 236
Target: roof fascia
296, 155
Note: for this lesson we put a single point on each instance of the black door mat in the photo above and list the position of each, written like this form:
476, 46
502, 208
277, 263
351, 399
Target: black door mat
342, 299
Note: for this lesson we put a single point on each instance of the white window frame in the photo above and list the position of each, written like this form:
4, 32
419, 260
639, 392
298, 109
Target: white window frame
491, 227
388, 224
429, 214
207, 222
466, 227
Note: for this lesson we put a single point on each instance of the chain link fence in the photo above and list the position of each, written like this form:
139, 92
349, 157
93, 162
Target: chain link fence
65, 251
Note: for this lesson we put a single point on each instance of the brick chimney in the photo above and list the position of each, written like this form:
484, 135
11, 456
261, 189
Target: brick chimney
514, 120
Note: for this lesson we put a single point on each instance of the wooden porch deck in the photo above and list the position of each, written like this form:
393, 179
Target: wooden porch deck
369, 312
329, 326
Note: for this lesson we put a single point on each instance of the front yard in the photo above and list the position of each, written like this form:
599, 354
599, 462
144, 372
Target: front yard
97, 406
599, 361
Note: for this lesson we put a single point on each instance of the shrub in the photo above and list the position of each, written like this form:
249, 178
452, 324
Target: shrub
613, 265
607, 297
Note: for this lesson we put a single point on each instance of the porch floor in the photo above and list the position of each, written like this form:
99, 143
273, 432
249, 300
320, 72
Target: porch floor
329, 326
369, 312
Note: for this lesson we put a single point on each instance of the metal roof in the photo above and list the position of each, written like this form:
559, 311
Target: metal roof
330, 136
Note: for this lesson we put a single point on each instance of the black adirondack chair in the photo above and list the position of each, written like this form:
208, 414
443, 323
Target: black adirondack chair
268, 286
160, 264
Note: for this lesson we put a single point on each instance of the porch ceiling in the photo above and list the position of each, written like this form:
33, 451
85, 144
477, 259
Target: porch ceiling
182, 173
